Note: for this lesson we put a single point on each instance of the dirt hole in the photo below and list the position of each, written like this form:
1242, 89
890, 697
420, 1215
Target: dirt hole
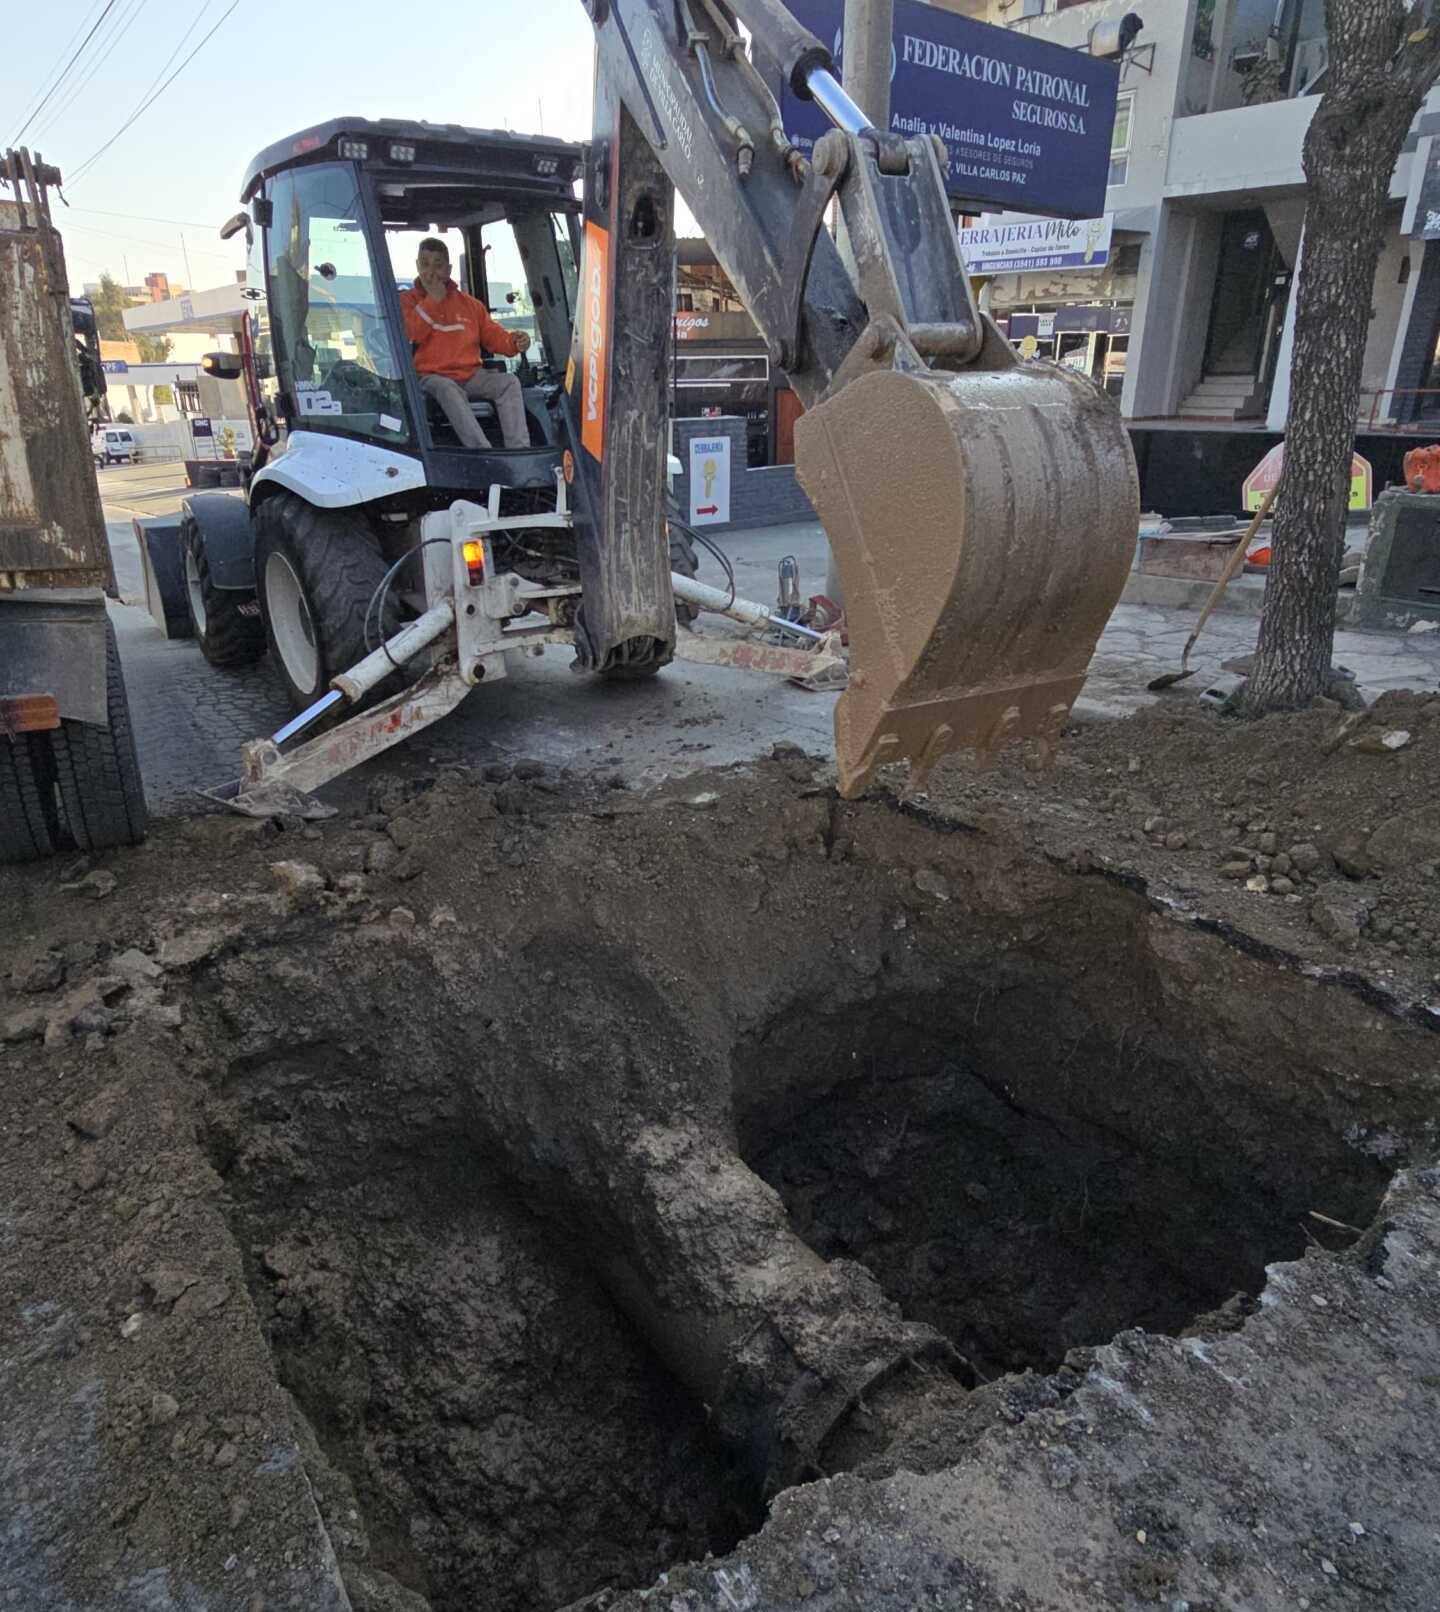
1027, 1186
511, 1442
1012, 1167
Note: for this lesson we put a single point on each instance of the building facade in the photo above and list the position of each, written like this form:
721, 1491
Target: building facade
1207, 207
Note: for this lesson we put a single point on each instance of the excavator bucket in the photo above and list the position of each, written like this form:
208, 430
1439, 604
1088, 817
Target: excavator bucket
983, 522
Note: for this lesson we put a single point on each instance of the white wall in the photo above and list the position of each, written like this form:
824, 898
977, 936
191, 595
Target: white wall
1167, 27
1244, 151
1172, 312
1387, 302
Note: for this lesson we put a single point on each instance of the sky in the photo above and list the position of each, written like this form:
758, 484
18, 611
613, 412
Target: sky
266, 73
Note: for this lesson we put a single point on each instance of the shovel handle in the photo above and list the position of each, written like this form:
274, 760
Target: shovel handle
1232, 565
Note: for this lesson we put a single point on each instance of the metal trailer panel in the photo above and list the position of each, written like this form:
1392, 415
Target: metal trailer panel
52, 530
47, 646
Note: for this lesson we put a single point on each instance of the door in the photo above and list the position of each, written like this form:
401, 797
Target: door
788, 409
340, 362
1242, 295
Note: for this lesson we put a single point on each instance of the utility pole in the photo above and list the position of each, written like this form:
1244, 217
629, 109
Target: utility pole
865, 49
190, 278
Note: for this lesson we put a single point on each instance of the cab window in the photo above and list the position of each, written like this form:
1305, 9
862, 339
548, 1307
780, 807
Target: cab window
337, 355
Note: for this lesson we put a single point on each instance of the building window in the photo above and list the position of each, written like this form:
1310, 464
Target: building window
1120, 138
187, 397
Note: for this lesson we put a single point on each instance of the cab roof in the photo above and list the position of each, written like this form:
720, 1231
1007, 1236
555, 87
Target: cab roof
533, 160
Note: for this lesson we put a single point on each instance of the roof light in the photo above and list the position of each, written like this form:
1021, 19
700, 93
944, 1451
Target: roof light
399, 153
355, 150
547, 165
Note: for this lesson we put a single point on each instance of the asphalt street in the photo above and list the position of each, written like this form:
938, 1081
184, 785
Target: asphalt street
191, 719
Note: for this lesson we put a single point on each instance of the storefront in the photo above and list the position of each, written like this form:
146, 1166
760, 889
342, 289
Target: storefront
721, 367
1093, 339
1062, 289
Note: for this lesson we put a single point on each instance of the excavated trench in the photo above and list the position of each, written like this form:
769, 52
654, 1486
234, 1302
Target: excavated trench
469, 1234
1038, 1187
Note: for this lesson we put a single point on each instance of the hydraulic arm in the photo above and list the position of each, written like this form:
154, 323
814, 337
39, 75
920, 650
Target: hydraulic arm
982, 511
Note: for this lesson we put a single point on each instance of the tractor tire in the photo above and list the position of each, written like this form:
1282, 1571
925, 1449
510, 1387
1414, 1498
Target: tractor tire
226, 633
29, 818
97, 771
316, 571
686, 561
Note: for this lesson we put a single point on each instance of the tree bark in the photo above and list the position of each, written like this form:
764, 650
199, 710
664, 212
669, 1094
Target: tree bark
1382, 61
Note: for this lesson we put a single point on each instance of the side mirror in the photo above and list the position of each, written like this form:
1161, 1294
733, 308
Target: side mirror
222, 366
233, 226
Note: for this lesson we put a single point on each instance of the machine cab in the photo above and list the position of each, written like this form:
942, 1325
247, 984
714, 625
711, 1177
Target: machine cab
336, 215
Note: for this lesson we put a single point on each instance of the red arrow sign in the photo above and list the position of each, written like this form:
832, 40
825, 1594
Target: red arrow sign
707, 509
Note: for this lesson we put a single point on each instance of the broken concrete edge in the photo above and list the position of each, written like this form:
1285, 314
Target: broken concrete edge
1104, 1476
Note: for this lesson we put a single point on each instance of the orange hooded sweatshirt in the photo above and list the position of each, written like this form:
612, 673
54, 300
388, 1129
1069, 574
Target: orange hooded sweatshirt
448, 338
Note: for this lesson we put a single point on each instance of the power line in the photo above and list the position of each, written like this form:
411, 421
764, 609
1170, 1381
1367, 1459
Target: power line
99, 58
145, 104
179, 45
140, 240
147, 218
55, 65
109, 7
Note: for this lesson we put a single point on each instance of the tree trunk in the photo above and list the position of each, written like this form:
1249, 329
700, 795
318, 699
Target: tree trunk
1378, 80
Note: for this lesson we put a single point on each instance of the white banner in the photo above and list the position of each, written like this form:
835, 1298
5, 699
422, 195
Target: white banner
1037, 244
709, 481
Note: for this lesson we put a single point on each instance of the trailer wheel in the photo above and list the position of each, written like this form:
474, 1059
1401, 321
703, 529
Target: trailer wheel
97, 770
226, 634
29, 819
316, 572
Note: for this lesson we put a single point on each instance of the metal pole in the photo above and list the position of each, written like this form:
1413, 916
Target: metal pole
866, 47
865, 71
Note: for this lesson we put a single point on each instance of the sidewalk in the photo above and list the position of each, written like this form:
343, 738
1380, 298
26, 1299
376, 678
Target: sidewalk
1146, 634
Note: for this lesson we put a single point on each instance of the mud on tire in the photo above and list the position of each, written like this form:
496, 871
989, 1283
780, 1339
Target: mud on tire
97, 771
226, 634
316, 572
29, 817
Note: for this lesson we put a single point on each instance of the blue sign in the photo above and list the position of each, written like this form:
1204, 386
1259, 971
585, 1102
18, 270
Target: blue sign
114, 366
1027, 123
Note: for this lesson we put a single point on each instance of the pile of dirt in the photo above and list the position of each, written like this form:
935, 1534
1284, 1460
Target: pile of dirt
1317, 831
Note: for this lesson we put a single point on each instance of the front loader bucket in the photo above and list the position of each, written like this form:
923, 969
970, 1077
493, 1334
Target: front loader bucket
983, 524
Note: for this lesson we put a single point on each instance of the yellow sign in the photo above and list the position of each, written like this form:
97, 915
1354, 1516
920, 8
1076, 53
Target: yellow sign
1264, 476
1028, 347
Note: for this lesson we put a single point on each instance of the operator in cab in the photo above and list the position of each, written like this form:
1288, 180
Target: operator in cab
448, 330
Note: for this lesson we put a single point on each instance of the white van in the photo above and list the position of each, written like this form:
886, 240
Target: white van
113, 445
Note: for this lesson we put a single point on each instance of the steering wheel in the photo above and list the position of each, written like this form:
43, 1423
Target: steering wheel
361, 390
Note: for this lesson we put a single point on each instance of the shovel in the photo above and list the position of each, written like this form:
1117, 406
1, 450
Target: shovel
1232, 565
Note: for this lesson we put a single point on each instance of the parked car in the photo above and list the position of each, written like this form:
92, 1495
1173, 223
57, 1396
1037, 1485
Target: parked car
113, 445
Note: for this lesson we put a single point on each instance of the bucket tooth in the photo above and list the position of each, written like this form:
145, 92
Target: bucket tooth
983, 523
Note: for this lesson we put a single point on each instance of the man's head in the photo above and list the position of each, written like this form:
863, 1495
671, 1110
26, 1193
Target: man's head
432, 263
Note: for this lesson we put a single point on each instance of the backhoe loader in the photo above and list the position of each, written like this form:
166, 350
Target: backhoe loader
981, 510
